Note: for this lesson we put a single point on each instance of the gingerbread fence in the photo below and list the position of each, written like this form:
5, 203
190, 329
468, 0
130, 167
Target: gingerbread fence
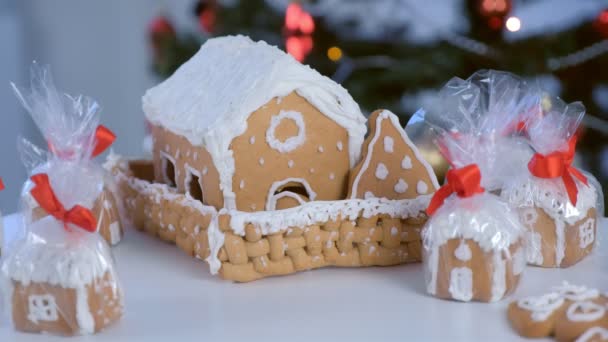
248, 246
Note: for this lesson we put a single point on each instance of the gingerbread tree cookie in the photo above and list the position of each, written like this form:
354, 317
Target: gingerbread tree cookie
391, 166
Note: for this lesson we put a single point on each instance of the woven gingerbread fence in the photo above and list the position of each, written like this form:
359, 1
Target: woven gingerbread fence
249, 250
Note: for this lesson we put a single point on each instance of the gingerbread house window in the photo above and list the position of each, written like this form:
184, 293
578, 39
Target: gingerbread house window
280, 137
168, 169
42, 308
193, 184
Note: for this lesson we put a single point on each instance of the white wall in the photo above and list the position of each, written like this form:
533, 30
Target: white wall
97, 48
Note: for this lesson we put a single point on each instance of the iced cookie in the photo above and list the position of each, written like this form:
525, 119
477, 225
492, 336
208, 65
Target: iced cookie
391, 166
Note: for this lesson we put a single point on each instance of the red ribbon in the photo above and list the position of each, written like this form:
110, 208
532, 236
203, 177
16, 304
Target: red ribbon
465, 182
46, 198
559, 164
104, 138
1, 185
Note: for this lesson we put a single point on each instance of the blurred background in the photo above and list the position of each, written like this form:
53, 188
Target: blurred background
388, 53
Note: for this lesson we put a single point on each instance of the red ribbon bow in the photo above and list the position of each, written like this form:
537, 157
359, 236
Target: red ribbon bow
1, 185
104, 137
559, 164
465, 182
46, 198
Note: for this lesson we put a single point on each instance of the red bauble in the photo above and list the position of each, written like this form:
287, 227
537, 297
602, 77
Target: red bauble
601, 23
494, 8
160, 31
161, 26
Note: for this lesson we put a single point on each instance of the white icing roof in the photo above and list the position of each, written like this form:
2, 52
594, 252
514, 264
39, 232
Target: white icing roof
50, 254
209, 98
483, 218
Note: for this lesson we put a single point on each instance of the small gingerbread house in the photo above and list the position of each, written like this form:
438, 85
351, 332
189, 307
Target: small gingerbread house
242, 125
61, 282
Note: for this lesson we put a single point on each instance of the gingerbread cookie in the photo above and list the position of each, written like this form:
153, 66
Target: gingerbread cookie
567, 313
392, 166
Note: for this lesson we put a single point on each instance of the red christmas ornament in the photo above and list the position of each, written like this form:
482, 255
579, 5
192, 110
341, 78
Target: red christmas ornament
299, 27
161, 27
499, 8
495, 12
160, 31
206, 11
601, 23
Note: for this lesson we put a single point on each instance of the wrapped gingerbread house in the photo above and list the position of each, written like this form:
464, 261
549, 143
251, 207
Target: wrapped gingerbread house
58, 275
254, 157
473, 242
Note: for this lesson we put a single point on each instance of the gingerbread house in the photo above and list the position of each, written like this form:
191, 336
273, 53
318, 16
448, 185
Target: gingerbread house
244, 126
61, 282
254, 161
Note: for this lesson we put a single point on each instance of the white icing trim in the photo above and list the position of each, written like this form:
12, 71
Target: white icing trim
519, 261
85, 320
216, 241
461, 283
422, 188
406, 163
189, 172
433, 266
272, 205
499, 274
534, 252
590, 311
389, 144
164, 157
311, 194
576, 293
542, 307
560, 241
381, 171
552, 197
463, 252
114, 233
290, 143
592, 332
401, 186
209, 98
586, 233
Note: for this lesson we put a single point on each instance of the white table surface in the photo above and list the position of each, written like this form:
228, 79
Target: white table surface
172, 297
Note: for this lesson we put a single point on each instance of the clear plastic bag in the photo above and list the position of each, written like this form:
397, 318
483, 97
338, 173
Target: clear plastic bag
558, 204
59, 276
71, 127
473, 242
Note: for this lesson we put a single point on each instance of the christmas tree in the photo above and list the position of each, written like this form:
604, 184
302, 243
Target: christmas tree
396, 53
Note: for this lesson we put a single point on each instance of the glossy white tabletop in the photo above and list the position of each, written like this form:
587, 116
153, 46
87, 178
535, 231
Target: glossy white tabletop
171, 297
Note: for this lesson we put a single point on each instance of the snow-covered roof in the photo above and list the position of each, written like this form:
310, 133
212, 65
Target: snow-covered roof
50, 254
209, 98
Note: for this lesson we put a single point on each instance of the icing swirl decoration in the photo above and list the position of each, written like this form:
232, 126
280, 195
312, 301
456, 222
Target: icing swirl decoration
290, 143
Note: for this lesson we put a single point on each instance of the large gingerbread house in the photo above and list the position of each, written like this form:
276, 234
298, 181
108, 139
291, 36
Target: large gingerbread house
243, 126
254, 160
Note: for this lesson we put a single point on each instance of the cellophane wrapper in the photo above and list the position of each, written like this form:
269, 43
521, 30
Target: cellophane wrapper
560, 233
474, 247
56, 277
68, 123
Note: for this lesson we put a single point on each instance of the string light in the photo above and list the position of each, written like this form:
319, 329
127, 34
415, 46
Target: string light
513, 24
334, 53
